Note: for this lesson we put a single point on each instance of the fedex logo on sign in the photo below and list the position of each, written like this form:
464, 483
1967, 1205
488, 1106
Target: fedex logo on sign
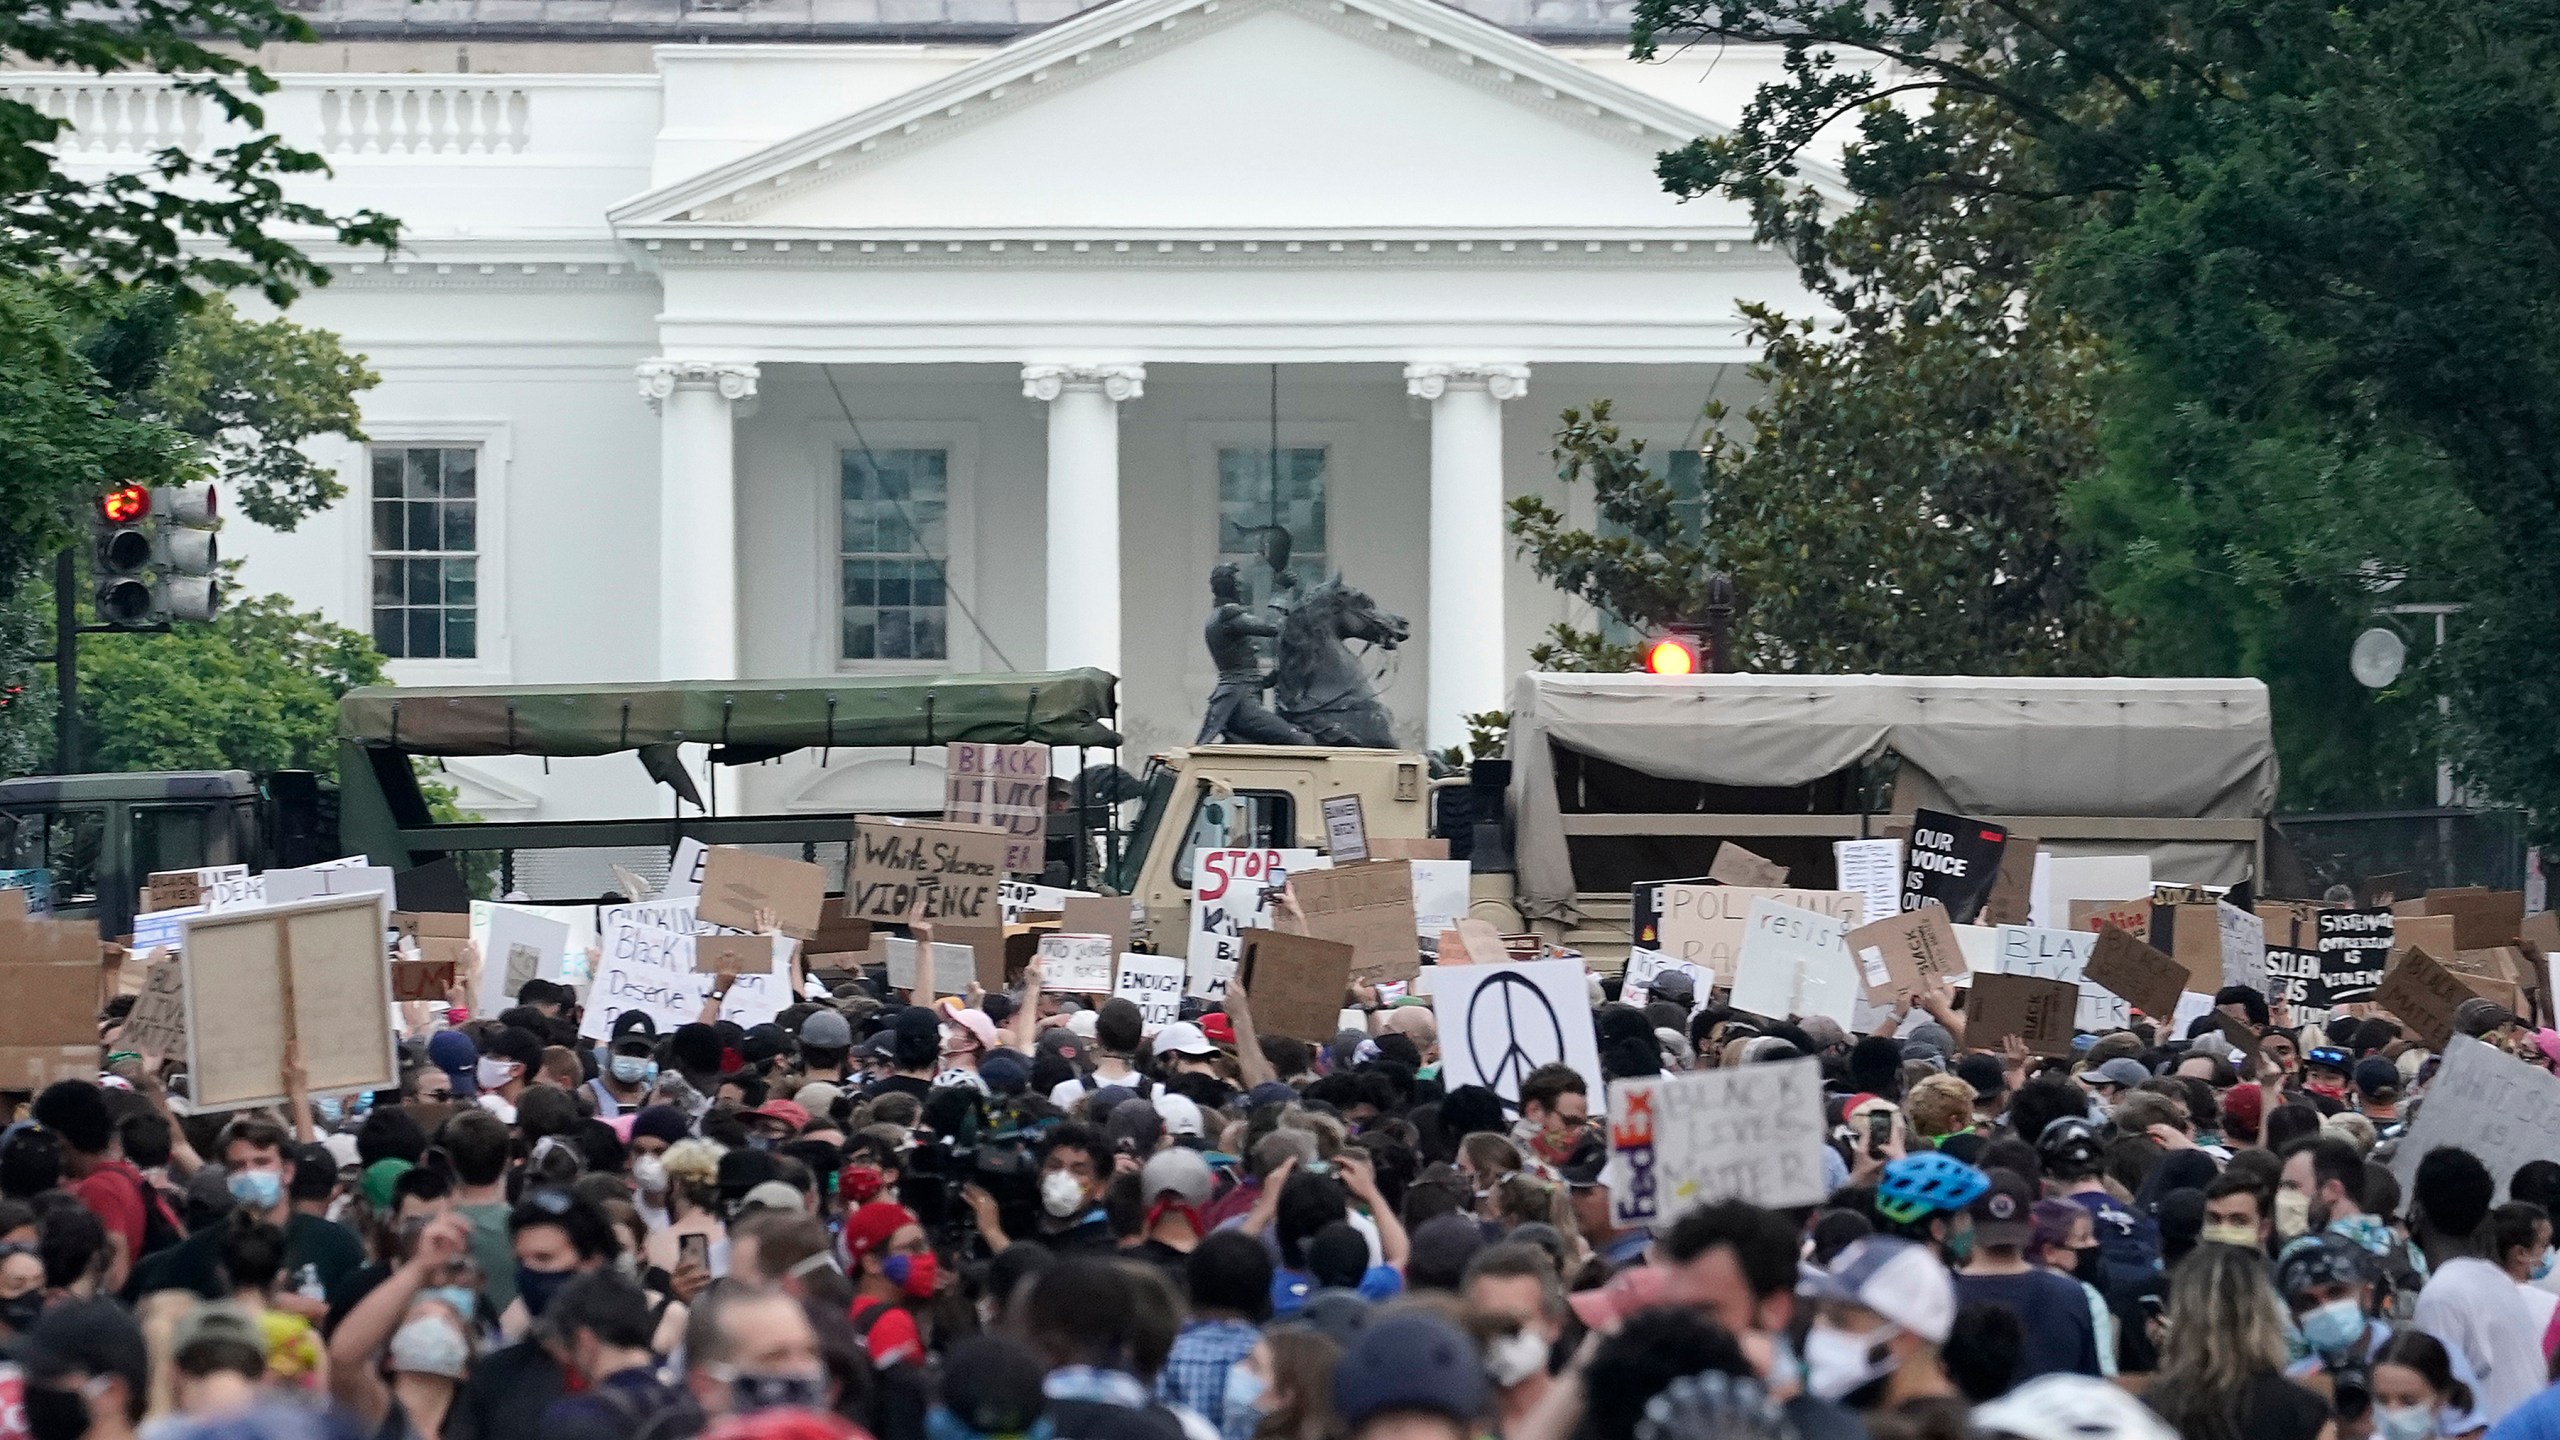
1631, 1141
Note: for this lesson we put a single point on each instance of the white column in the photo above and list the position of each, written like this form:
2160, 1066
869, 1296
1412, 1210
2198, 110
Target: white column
1467, 543
697, 513
1084, 506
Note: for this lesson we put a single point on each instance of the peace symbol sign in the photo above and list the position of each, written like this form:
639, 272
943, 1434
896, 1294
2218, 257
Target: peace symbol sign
1512, 1029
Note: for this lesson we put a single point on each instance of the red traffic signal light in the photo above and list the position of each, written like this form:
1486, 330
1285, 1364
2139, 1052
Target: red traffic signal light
125, 504
1672, 655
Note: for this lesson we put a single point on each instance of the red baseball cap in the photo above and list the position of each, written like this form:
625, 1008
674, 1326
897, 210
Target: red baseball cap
1219, 1029
870, 1226
789, 1112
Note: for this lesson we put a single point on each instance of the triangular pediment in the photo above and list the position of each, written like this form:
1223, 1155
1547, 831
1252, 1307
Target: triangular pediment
1272, 117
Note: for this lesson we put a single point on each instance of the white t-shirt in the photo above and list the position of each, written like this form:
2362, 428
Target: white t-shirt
2480, 1315
1068, 1094
2539, 1303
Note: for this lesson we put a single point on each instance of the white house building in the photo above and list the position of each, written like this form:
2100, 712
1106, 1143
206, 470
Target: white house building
812, 336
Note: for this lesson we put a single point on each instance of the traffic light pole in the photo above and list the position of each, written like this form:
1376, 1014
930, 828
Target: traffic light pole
66, 663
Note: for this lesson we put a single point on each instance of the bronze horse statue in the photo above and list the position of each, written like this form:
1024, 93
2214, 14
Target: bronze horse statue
1320, 685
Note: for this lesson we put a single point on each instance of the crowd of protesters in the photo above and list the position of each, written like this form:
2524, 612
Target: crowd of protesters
1025, 1214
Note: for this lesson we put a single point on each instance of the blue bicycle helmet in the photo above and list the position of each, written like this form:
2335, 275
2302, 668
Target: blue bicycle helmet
1931, 1181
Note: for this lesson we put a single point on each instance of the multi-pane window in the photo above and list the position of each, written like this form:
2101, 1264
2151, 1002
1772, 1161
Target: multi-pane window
426, 542
1252, 497
893, 541
1686, 473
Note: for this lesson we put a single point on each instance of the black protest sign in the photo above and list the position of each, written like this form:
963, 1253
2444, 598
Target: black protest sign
2293, 976
1951, 862
2355, 951
1645, 909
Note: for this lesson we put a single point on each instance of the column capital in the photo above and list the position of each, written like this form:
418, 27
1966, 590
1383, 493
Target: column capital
1429, 380
1114, 382
662, 378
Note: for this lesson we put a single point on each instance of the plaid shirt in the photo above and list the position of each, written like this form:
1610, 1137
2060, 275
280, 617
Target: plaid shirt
1195, 1373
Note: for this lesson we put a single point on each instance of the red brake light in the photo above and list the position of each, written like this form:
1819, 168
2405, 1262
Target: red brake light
1670, 657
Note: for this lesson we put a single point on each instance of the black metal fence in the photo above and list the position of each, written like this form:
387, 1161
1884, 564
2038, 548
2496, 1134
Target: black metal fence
2430, 849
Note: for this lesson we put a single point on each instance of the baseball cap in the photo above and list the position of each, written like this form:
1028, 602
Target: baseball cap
1675, 986
1628, 1291
1898, 1279
1409, 1362
1181, 1171
1181, 1113
789, 1112
980, 1028
772, 1195
2002, 1215
1984, 1074
452, 1052
1183, 1038
870, 1226
827, 1030
2120, 1071
1218, 1028
2375, 1074
630, 1020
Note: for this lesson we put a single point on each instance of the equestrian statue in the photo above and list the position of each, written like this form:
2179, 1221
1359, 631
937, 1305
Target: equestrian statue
1321, 694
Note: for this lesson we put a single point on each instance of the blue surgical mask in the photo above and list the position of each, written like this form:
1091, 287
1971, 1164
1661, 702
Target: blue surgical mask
634, 1069
329, 1109
1247, 1394
2334, 1328
257, 1189
2542, 1267
2411, 1422
464, 1300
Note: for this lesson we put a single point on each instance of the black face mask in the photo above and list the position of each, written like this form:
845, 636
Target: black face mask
20, 1312
2088, 1264
55, 1414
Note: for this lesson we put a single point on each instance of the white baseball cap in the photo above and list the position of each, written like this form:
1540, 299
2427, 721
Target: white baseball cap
1183, 1038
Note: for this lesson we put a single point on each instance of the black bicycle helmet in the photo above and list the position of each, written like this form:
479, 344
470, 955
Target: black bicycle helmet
2322, 1259
2070, 1147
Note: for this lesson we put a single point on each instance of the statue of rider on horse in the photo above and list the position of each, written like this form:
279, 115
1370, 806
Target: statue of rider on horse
1321, 695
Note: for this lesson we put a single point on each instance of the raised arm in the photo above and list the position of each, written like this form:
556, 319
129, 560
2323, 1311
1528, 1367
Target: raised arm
1251, 1063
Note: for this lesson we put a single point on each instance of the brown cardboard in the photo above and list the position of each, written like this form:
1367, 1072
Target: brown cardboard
952, 870
1481, 943
1369, 908
2013, 888
989, 943
1406, 847
1098, 915
2388, 889
156, 1028
1296, 983
422, 979
2431, 933
2035, 1010
2292, 924
172, 890
737, 883
2127, 967
2133, 917
2191, 935
13, 904
733, 954
2422, 994
431, 924
2482, 919
1908, 949
2240, 1035
838, 933
1737, 866
2498, 973
2540, 931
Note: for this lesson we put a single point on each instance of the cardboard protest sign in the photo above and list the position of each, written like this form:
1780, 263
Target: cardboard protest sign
1231, 892
2431, 933
2037, 1011
2064, 955
1645, 902
172, 890
1899, 954
431, 980
1346, 829
1153, 983
2492, 974
719, 954
1295, 983
2149, 980
2133, 917
2240, 1035
1952, 862
1753, 1133
522, 946
1006, 787
310, 973
2489, 1103
951, 870
2355, 950
2012, 897
2482, 919
2242, 935
1499, 1022
1705, 924
1737, 866
736, 883
1080, 963
156, 1028
1795, 962
1370, 909
839, 934
1473, 942
2422, 994
1097, 915
954, 966
656, 970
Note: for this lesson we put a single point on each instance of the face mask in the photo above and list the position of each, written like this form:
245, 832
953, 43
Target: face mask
1960, 1246
1061, 1194
2244, 1236
493, 1073
1513, 1358
257, 1189
1246, 1395
650, 1174
2088, 1263
2403, 1422
2335, 1327
914, 1275
750, 1392
430, 1346
2542, 1267
19, 1313
537, 1288
56, 1414
860, 1184
328, 1109
461, 1299
2293, 1213
634, 1069
1837, 1362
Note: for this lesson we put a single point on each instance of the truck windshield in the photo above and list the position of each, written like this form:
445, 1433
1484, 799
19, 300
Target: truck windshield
170, 838
66, 842
1260, 819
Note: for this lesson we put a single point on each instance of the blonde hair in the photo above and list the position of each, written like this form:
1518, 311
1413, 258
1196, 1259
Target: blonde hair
1939, 1105
2224, 1332
693, 1171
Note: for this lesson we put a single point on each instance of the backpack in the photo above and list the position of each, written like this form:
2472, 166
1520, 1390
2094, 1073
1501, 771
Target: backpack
1145, 1088
160, 1229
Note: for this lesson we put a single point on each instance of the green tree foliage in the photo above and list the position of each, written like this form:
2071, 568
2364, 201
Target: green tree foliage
249, 394
61, 432
1893, 503
257, 689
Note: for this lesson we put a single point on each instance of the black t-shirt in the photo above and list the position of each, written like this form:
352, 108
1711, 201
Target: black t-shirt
2061, 1337
1097, 1420
2271, 1408
1174, 1263
506, 1395
901, 1085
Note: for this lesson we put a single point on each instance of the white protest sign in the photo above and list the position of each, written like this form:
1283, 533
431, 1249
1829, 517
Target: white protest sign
2064, 955
1795, 961
647, 968
521, 947
159, 929
1752, 1133
351, 876
684, 872
1076, 962
955, 967
233, 891
2191, 1008
1439, 896
577, 965
1871, 869
2489, 1103
1230, 892
1346, 830
2065, 878
1980, 945
2244, 946
1499, 1022
1705, 924
1015, 896
1643, 966
1153, 983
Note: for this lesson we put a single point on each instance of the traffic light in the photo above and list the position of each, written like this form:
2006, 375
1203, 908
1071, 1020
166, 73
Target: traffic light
184, 551
125, 595
1674, 652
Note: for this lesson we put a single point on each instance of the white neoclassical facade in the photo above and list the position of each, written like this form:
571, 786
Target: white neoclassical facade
736, 341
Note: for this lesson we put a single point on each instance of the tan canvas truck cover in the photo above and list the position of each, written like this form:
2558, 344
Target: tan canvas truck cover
2182, 749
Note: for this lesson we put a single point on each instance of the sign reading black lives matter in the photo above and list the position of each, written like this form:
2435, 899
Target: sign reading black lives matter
1951, 861
2355, 948
1752, 1133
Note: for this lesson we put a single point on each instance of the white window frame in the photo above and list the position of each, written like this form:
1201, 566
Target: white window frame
1201, 442
492, 438
958, 440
